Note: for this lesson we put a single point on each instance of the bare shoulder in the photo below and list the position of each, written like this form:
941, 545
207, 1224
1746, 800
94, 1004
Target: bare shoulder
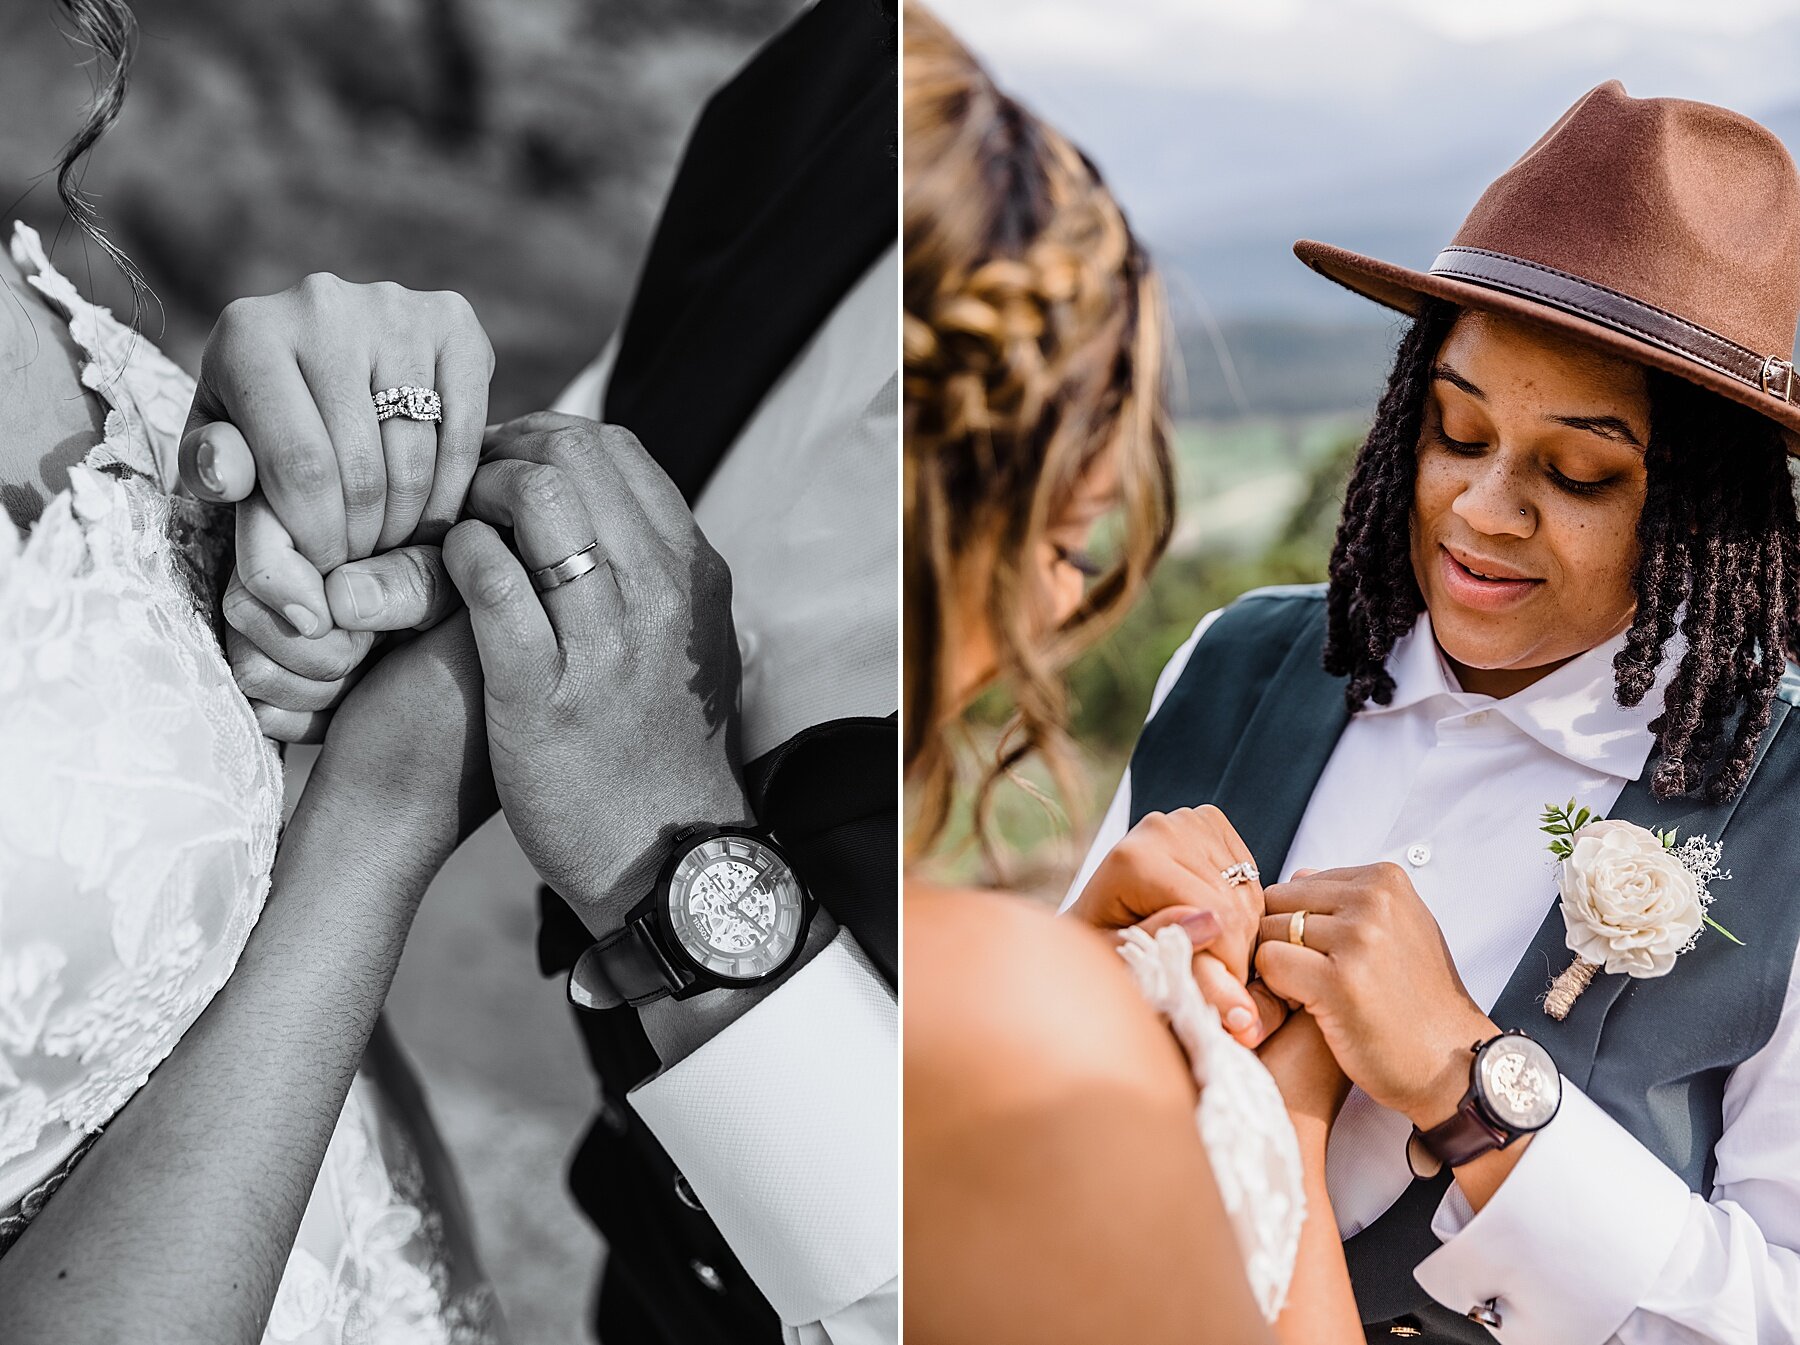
1018, 1006
1052, 1163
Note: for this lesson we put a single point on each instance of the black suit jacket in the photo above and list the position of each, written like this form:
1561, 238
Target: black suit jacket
785, 196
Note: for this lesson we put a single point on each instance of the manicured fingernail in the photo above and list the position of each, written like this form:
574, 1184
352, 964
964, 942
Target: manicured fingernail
365, 594
1239, 1019
207, 469
1201, 925
301, 619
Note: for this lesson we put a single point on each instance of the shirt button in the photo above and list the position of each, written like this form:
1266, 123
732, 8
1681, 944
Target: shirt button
1479, 717
708, 1276
1418, 855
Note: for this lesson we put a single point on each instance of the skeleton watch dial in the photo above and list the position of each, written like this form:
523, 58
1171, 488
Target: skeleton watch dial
1519, 1082
735, 907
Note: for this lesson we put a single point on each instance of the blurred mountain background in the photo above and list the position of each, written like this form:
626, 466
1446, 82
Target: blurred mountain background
517, 151
1231, 128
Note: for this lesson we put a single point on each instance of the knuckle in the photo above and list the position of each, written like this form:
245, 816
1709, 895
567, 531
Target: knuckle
304, 466
569, 442
497, 588
238, 319
542, 489
322, 289
364, 491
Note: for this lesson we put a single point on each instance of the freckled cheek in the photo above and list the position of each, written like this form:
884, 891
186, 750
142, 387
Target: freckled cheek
1596, 561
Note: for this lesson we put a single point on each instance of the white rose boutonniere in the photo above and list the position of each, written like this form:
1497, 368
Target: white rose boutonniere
1632, 899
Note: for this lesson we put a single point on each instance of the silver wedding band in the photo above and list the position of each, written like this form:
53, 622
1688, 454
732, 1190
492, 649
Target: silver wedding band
1297, 929
409, 403
569, 569
1237, 874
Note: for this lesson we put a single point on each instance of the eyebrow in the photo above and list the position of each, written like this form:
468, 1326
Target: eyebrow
1607, 427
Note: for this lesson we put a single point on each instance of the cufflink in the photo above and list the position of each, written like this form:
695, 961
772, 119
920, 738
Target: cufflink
1485, 1315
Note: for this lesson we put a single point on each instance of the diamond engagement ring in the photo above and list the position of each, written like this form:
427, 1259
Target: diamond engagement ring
1244, 872
569, 569
409, 403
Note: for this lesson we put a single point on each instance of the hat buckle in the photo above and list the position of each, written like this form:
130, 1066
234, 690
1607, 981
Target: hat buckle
1777, 368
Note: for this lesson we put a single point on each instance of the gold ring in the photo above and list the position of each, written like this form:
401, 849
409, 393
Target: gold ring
1297, 929
568, 569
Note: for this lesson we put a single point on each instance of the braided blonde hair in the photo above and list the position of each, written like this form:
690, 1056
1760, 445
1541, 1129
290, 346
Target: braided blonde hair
1034, 337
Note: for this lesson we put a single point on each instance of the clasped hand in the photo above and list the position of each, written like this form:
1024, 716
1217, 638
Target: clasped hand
1383, 1004
609, 705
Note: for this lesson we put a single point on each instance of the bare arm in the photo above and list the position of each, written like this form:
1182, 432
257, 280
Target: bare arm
178, 1222
1320, 1309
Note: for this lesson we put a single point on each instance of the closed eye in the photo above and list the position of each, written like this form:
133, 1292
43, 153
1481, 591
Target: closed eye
1079, 561
1467, 448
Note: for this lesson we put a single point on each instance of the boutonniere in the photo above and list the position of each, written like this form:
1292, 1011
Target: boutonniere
1633, 899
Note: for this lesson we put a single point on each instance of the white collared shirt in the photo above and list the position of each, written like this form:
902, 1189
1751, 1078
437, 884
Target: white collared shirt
786, 1125
1590, 1238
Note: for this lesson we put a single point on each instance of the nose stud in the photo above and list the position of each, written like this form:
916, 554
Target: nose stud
1523, 512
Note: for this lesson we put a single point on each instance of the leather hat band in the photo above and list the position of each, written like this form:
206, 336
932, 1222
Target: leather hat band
1619, 312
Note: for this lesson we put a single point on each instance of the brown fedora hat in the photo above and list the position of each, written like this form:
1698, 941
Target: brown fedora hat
1664, 230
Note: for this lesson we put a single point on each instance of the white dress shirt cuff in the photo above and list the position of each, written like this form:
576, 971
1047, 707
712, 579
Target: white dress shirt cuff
787, 1128
1572, 1241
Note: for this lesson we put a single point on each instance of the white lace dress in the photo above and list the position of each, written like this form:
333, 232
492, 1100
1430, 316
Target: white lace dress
139, 806
1243, 1122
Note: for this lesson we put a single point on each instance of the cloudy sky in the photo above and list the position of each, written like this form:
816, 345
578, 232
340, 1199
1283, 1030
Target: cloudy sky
1230, 129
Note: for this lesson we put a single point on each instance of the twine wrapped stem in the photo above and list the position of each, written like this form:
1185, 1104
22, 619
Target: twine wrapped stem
1566, 987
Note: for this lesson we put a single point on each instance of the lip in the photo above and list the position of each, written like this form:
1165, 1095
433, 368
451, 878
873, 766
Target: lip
1506, 588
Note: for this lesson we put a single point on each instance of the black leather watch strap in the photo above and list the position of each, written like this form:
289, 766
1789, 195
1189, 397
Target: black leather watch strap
625, 967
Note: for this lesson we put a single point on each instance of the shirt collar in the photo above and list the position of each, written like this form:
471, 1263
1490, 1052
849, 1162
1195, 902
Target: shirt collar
1574, 711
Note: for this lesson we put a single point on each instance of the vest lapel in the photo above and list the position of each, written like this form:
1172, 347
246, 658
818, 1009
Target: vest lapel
1272, 772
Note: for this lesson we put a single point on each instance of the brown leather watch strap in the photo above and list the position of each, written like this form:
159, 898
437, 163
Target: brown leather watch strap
1464, 1137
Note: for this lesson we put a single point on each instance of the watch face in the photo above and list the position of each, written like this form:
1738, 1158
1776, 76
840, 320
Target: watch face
735, 907
1520, 1084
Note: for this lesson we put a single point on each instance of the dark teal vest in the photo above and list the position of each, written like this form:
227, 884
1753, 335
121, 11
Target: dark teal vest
1249, 727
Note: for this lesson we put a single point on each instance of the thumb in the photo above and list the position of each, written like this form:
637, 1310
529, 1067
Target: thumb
403, 589
216, 463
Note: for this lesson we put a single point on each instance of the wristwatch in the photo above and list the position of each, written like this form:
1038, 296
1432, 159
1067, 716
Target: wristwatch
1514, 1090
727, 911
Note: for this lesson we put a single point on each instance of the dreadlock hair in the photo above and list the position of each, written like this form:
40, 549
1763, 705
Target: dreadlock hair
109, 29
1719, 558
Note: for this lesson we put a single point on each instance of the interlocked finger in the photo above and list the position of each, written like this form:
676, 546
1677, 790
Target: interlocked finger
327, 658
260, 678
1316, 929
551, 525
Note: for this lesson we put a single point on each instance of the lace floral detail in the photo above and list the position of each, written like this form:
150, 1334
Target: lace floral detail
1242, 1119
383, 1276
139, 812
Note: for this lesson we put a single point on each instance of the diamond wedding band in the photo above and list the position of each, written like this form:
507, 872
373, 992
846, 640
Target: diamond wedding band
1297, 929
570, 568
1243, 872
409, 403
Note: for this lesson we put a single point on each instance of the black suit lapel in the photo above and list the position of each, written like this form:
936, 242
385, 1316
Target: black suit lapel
785, 196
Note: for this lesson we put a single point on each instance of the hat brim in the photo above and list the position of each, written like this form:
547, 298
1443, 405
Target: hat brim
1400, 288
